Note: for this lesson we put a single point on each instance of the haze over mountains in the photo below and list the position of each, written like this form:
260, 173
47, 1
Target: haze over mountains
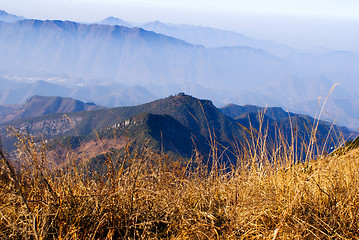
6, 17
15, 92
214, 38
224, 66
122, 54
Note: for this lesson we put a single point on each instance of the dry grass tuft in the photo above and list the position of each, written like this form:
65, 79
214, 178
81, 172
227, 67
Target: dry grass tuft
148, 196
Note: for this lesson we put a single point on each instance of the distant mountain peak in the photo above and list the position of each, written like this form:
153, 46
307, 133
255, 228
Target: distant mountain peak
7, 17
113, 21
154, 25
156, 22
40, 105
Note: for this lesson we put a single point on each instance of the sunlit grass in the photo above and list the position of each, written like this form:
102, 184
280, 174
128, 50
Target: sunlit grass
268, 194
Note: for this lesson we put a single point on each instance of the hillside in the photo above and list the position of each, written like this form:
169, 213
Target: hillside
188, 166
39, 106
297, 127
161, 133
203, 123
235, 111
189, 111
144, 195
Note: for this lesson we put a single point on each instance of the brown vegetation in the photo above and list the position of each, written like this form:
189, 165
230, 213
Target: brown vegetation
149, 196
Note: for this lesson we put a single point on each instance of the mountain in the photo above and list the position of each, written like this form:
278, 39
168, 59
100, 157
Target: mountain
341, 111
178, 124
200, 116
307, 96
182, 120
115, 21
39, 106
214, 38
129, 55
121, 56
161, 133
15, 92
6, 17
236, 111
290, 125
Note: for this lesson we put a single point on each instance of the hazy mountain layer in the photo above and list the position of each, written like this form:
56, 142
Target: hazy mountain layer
275, 113
39, 106
129, 55
12, 92
164, 65
6, 17
115, 21
212, 38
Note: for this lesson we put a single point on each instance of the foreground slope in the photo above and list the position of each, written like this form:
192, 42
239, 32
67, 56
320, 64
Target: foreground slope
144, 196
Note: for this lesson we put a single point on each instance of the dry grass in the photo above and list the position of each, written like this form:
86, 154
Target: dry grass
147, 196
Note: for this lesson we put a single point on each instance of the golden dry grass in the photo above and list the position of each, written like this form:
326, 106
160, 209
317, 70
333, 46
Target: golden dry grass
147, 196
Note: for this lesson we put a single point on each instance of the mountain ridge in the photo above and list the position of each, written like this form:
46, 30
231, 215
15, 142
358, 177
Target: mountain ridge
89, 53
7, 17
119, 53
205, 124
115, 21
17, 92
38, 106
214, 38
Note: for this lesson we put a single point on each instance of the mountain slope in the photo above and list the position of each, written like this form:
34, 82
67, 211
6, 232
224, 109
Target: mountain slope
200, 116
129, 55
6, 17
161, 133
197, 122
275, 113
176, 124
298, 127
39, 106
212, 38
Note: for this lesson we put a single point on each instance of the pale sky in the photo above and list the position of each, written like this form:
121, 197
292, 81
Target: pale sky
332, 24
